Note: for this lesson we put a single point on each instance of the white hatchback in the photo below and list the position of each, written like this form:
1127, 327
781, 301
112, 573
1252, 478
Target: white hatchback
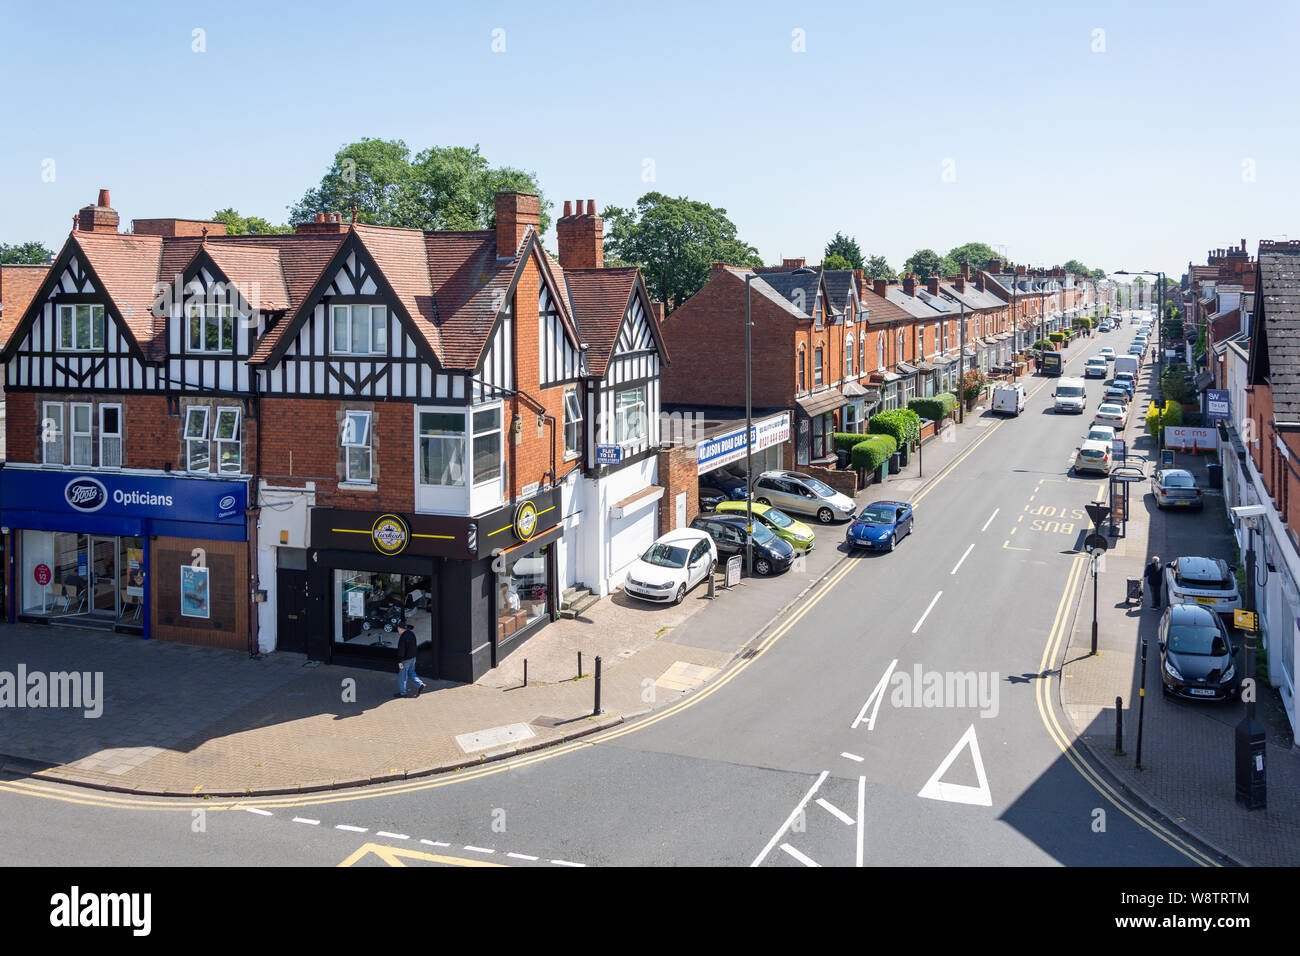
671, 566
1112, 414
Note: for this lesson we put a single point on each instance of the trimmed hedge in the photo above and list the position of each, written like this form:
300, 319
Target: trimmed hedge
934, 408
1042, 345
1056, 336
902, 423
873, 452
846, 440
1173, 416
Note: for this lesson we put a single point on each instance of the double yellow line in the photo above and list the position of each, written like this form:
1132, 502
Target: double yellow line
1052, 651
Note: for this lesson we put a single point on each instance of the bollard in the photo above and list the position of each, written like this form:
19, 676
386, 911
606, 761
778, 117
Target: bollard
711, 577
1142, 701
1119, 727
579, 663
525, 672
597, 710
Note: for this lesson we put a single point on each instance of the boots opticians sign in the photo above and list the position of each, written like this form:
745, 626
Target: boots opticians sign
86, 494
108, 495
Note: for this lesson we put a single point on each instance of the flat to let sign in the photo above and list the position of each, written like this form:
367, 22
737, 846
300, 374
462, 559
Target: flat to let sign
608, 454
1218, 407
42, 574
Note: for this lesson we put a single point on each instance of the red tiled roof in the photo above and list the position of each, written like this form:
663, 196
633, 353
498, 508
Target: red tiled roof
128, 266
881, 311
256, 270
600, 298
18, 284
469, 288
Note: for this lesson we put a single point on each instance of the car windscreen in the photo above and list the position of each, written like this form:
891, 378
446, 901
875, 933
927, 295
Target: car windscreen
1069, 391
762, 535
778, 518
665, 556
1177, 480
818, 488
1196, 639
1101, 434
877, 514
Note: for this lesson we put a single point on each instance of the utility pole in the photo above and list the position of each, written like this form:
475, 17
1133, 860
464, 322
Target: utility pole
1252, 788
749, 445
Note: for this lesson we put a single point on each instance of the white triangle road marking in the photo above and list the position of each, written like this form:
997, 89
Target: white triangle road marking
936, 789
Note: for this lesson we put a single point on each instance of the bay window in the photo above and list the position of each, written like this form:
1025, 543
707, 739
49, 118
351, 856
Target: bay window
487, 445
356, 442
52, 434
442, 447
110, 436
81, 328
210, 327
359, 329
629, 415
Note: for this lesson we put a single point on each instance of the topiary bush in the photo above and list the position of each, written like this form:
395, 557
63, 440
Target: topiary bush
1173, 416
846, 440
1042, 345
934, 408
873, 452
903, 424
1056, 336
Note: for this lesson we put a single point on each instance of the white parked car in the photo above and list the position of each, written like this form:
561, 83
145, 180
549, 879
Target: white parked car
1107, 353
1112, 414
1208, 582
1095, 367
671, 566
1104, 433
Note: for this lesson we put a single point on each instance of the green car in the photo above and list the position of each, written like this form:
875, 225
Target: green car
797, 534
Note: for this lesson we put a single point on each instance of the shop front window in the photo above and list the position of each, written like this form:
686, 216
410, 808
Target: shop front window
523, 594
370, 605
66, 574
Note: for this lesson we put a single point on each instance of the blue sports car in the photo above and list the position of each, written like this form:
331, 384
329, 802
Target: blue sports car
880, 525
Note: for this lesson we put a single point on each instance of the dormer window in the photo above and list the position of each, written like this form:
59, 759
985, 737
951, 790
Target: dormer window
81, 328
210, 327
359, 329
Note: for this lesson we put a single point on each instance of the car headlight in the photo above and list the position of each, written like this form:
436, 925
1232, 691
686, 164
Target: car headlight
1172, 671
1231, 672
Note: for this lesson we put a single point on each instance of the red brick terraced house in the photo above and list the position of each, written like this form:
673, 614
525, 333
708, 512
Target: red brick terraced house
298, 441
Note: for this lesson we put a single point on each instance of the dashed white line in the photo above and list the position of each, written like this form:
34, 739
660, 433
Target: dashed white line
805, 860
520, 856
478, 849
851, 756
834, 811
566, 863
990, 521
393, 836
260, 813
790, 819
310, 823
933, 602
862, 817
434, 843
962, 558
350, 829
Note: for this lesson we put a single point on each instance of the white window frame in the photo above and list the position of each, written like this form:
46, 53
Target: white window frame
67, 319
48, 429
899, 355
818, 362
349, 440
475, 435
623, 433
201, 439
880, 351
848, 356
862, 352
82, 438
220, 443
459, 438
572, 420
376, 331
220, 315
106, 460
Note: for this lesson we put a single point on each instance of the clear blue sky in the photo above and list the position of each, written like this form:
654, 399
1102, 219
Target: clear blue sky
1129, 158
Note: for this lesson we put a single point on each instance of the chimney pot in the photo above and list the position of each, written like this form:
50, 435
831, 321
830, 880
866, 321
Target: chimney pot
591, 207
568, 207
320, 217
103, 199
98, 218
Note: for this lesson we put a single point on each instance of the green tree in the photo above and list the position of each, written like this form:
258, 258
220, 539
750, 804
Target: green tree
847, 248
977, 254
675, 241
1077, 268
835, 262
926, 262
237, 225
877, 268
24, 253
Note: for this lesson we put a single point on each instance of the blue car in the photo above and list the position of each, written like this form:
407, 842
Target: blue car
734, 485
879, 525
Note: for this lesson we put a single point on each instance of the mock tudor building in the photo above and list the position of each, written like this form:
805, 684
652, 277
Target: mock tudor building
300, 441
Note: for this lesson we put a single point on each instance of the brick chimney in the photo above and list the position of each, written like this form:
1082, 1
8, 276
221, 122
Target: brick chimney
100, 217
581, 237
994, 266
327, 223
1021, 270
171, 228
792, 264
860, 279
657, 308
515, 213
965, 268
880, 286
932, 285
959, 283
909, 284
979, 281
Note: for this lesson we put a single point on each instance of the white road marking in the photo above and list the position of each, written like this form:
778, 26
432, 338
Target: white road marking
806, 861
851, 756
350, 829
566, 863
990, 521
877, 695
963, 558
980, 795
310, 823
862, 816
521, 856
478, 849
434, 843
393, 836
834, 811
260, 813
790, 819
933, 602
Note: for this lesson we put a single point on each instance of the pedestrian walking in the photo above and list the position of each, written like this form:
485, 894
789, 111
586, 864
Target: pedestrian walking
1154, 575
406, 657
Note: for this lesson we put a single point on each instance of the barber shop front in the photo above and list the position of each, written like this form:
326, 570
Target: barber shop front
472, 588
155, 556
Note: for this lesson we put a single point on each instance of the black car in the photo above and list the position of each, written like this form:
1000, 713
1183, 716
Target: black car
771, 554
1196, 655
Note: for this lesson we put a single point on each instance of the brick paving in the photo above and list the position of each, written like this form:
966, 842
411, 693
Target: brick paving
1187, 747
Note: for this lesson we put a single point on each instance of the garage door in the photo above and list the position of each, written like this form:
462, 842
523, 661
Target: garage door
629, 537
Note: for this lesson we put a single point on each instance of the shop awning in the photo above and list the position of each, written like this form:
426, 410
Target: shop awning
642, 499
822, 402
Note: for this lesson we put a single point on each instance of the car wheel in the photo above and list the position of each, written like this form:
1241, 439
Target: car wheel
825, 516
681, 594
761, 566
761, 501
893, 541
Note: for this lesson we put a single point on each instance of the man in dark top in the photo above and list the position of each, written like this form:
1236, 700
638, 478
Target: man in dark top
406, 658
1155, 580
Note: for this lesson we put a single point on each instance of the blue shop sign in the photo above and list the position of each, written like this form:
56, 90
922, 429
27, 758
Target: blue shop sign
114, 503
608, 454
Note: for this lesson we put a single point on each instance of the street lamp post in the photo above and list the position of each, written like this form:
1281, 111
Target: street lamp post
749, 445
1160, 349
1251, 782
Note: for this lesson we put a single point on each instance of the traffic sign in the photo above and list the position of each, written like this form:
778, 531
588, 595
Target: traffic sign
1245, 620
1097, 512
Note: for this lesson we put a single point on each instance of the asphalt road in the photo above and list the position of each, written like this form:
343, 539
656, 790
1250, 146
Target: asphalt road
901, 716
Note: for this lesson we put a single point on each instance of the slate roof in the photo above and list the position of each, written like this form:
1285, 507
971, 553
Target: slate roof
882, 311
804, 283
1279, 286
18, 284
759, 286
839, 288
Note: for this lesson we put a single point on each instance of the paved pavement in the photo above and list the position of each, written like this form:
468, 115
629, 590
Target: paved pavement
184, 720
1187, 747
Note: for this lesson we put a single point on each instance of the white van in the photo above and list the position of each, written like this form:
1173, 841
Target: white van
1009, 399
1070, 396
1126, 363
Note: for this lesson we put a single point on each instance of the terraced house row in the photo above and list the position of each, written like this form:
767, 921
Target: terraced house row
298, 441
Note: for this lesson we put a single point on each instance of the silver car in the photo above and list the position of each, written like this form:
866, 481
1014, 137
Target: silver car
804, 494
